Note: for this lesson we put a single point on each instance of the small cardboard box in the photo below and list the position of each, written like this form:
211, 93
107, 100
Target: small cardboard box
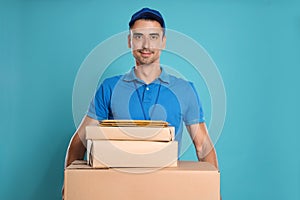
113, 153
189, 180
130, 133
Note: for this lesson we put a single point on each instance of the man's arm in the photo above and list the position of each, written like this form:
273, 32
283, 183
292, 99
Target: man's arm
77, 145
204, 147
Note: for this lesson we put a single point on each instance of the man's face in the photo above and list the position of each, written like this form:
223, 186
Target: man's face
146, 40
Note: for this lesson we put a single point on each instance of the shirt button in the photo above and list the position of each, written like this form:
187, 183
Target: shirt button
147, 88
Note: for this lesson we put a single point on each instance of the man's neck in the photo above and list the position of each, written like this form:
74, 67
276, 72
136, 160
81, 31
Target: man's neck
148, 73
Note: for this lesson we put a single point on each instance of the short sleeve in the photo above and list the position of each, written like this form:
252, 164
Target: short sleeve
99, 105
193, 112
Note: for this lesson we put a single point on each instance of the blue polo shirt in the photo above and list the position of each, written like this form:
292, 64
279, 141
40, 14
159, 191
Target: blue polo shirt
167, 98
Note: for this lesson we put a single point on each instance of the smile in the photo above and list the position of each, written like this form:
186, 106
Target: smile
145, 53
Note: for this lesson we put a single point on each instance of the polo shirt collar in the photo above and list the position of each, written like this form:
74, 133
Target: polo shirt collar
130, 76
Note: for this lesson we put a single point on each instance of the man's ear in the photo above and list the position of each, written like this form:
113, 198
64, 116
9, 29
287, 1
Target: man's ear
164, 40
129, 41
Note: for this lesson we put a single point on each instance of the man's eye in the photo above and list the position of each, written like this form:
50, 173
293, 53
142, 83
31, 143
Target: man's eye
137, 37
154, 37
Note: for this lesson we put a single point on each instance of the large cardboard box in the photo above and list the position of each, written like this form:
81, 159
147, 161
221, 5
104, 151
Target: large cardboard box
187, 181
130, 133
113, 153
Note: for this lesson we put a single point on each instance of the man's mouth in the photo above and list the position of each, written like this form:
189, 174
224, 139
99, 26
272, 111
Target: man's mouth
145, 52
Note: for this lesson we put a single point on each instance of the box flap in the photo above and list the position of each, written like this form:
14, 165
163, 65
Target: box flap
182, 166
131, 133
80, 164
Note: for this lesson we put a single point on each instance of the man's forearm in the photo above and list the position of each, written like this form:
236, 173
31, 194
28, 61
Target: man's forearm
76, 150
206, 153
204, 147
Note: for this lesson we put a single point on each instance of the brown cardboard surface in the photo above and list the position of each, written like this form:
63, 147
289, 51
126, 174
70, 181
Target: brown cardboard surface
112, 153
189, 180
148, 123
130, 133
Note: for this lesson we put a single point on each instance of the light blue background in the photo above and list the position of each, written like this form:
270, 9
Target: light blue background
255, 44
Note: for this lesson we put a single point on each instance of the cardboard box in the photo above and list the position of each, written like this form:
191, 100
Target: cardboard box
130, 133
113, 153
190, 181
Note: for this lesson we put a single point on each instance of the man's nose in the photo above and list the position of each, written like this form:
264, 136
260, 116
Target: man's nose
146, 43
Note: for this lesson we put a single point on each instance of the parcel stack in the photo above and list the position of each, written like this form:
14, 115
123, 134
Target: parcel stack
134, 160
131, 143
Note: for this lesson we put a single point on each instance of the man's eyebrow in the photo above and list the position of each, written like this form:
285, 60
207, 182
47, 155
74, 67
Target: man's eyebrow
154, 34
137, 33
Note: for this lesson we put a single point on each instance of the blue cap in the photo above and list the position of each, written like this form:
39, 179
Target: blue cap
147, 13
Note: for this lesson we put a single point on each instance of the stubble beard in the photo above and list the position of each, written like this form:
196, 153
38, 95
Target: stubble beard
140, 60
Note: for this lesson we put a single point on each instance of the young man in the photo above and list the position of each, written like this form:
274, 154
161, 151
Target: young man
147, 92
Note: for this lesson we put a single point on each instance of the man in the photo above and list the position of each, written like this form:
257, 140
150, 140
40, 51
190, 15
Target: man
147, 92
